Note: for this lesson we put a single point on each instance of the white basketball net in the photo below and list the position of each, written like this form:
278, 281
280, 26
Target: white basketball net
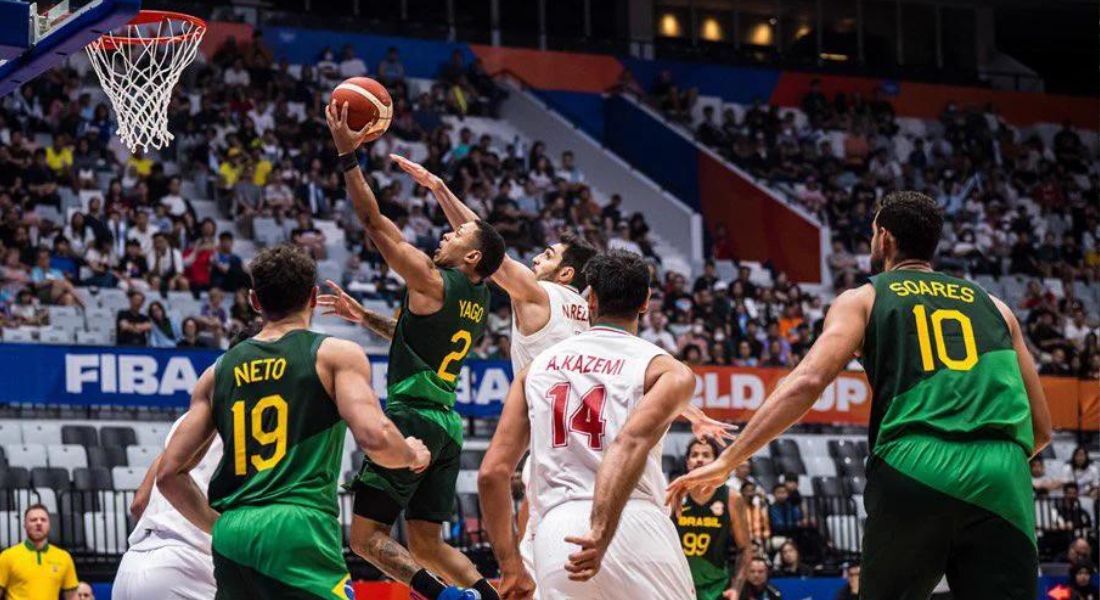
138, 68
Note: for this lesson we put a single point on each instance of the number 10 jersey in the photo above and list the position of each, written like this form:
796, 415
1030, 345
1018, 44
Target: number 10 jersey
580, 393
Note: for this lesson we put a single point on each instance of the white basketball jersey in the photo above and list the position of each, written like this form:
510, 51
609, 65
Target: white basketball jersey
169, 525
568, 317
580, 393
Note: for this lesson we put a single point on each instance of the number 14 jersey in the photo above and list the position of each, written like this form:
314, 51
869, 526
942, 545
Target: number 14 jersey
580, 393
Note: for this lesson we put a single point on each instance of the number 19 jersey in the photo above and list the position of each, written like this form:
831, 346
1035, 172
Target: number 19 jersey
580, 393
281, 431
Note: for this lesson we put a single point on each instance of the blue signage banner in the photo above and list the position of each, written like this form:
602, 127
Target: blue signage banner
92, 375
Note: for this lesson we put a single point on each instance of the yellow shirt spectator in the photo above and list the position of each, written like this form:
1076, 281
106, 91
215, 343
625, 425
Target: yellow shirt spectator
230, 173
262, 172
142, 165
29, 573
59, 160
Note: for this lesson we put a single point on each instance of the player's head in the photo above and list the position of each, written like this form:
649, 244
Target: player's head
475, 247
283, 282
700, 453
758, 572
564, 262
36, 522
620, 285
907, 226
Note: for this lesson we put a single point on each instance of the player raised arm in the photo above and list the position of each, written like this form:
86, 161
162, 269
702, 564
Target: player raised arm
1040, 414
839, 341
494, 485
669, 387
413, 265
513, 276
343, 305
190, 440
346, 376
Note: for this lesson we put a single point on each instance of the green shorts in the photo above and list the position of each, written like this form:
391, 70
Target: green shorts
960, 509
279, 551
381, 494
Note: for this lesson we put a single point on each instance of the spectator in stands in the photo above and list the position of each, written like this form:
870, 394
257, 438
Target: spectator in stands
132, 326
84, 591
237, 75
1070, 510
623, 241
189, 335
165, 332
850, 590
34, 568
1041, 482
198, 256
790, 562
350, 64
165, 265
390, 69
1078, 552
655, 331
785, 515
48, 281
309, 237
227, 268
1080, 470
756, 508
26, 310
756, 583
1080, 582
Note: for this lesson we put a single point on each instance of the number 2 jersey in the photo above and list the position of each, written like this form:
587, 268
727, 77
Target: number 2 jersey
580, 393
281, 432
949, 405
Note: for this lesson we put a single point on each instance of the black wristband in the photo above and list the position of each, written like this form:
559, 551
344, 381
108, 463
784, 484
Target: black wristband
348, 161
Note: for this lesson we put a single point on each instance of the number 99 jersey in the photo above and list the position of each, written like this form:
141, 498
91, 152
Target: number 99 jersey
580, 392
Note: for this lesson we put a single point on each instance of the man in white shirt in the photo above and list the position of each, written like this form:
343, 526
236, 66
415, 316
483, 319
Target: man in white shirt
623, 242
656, 332
350, 64
142, 231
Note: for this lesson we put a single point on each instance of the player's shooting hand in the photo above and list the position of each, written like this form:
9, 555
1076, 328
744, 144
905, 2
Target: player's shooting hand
585, 563
704, 479
717, 431
341, 304
346, 139
516, 583
423, 457
420, 175
730, 594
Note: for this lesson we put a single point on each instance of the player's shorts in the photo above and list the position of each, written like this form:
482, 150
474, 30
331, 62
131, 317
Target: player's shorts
981, 535
279, 551
527, 551
381, 494
172, 572
644, 559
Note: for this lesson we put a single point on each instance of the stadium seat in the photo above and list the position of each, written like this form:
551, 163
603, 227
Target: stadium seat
861, 508
784, 447
17, 500
121, 437
42, 432
820, 466
467, 482
84, 435
763, 466
151, 434
11, 433
671, 465
106, 531
68, 456
812, 445
15, 478
1063, 449
828, 486
856, 484
95, 478
471, 459
789, 464
107, 457
17, 335
58, 334
95, 338
55, 478
844, 449
27, 455
11, 528
845, 532
127, 478
67, 530
851, 467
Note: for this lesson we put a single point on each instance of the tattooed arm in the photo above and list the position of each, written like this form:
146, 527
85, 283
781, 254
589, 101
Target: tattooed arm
343, 305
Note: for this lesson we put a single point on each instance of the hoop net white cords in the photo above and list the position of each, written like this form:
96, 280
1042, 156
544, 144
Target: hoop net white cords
139, 77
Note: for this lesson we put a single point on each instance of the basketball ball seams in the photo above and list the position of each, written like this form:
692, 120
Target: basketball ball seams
383, 113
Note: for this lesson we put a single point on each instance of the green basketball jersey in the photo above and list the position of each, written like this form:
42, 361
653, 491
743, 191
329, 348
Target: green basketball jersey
428, 351
282, 433
705, 538
940, 361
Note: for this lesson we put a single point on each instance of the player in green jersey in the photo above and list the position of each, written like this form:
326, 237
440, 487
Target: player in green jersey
713, 530
956, 412
443, 314
279, 401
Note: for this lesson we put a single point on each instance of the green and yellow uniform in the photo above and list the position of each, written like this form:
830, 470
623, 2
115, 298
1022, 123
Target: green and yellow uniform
425, 361
948, 484
706, 540
27, 573
279, 533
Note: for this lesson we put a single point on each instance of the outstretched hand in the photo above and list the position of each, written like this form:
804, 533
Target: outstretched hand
341, 304
420, 175
345, 138
714, 430
705, 479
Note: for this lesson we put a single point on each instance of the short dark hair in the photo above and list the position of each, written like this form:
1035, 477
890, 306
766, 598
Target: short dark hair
283, 277
225, 235
492, 249
915, 220
703, 441
36, 506
577, 254
620, 280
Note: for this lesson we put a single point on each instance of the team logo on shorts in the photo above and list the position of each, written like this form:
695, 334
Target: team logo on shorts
718, 508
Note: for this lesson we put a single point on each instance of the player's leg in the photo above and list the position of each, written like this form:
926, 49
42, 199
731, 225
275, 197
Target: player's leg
644, 559
431, 504
173, 572
551, 552
906, 538
992, 559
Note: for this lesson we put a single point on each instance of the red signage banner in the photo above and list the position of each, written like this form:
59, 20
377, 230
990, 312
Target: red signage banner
735, 393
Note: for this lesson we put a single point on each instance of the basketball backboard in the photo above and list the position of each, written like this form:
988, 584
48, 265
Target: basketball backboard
34, 38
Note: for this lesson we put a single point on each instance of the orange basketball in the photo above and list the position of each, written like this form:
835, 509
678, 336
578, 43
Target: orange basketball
369, 104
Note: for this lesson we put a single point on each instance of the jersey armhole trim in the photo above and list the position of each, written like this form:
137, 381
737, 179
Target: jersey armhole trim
442, 304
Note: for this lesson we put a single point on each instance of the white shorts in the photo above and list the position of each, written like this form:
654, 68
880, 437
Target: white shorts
643, 561
173, 572
527, 553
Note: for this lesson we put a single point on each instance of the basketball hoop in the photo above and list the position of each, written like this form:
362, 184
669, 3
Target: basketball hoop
139, 66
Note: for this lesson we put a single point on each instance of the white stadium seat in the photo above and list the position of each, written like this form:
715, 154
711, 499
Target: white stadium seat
42, 432
142, 456
128, 478
68, 456
845, 532
11, 528
10, 433
27, 456
819, 466
151, 434
106, 532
